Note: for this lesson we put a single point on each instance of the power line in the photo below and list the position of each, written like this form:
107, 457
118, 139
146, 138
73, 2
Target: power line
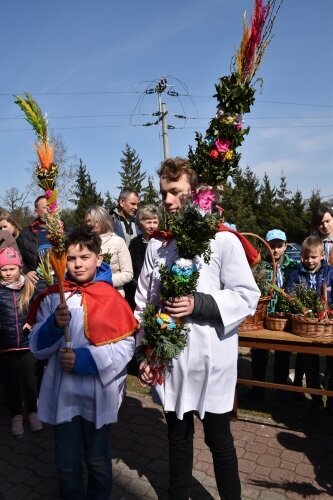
110, 92
170, 127
123, 115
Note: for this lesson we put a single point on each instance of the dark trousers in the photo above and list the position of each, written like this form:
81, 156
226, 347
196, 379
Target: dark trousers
310, 365
19, 381
76, 441
259, 366
218, 438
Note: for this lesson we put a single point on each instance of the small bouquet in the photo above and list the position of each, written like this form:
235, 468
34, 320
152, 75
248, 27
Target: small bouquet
165, 338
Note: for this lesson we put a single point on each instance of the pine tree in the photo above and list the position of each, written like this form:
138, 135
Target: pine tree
283, 207
314, 201
267, 218
299, 221
109, 201
150, 194
85, 193
237, 210
130, 173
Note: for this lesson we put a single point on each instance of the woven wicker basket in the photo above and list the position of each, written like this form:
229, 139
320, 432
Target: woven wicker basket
256, 322
312, 327
278, 321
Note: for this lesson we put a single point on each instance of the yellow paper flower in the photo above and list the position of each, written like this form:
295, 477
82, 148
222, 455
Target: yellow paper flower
229, 155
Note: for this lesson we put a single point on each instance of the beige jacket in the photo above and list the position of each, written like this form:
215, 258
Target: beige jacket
121, 262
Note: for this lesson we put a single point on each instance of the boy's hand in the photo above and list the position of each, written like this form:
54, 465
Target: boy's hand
180, 307
145, 374
68, 360
62, 315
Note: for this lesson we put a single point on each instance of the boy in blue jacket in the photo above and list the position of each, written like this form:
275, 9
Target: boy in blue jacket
83, 384
312, 273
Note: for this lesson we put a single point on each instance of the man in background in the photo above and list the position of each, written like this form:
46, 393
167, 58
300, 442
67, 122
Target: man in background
124, 215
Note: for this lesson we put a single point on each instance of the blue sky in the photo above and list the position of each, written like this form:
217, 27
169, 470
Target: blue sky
86, 63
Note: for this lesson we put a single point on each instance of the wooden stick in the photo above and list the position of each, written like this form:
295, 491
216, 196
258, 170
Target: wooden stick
68, 347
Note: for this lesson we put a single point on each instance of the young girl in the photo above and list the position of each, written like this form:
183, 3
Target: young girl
17, 362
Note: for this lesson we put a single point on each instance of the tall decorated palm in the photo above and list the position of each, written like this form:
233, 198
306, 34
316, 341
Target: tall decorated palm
217, 152
46, 174
214, 159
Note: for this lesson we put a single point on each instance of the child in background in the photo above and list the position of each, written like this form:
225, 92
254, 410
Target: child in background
17, 362
148, 219
322, 225
312, 273
277, 240
82, 387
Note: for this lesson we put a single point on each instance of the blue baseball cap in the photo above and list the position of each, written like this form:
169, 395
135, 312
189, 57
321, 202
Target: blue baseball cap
276, 234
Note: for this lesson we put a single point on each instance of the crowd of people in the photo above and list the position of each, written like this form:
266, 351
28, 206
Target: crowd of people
112, 275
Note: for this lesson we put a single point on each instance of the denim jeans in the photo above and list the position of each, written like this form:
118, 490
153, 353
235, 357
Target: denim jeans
76, 441
218, 438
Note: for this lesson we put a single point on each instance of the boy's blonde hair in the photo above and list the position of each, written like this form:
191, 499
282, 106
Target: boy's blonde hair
311, 243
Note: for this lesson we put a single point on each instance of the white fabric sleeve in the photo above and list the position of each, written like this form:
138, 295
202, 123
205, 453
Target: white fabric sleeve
111, 359
44, 312
240, 294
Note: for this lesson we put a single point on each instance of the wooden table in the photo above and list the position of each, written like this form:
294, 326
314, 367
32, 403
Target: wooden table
283, 341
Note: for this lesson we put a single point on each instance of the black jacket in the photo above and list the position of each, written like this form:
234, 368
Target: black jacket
27, 243
12, 335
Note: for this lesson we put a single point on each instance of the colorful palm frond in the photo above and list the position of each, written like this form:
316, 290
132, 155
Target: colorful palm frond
34, 116
256, 37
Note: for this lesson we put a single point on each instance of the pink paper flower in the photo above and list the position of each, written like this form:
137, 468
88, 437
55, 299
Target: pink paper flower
222, 145
53, 207
48, 193
204, 199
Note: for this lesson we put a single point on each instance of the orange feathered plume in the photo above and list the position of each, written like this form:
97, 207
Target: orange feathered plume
45, 152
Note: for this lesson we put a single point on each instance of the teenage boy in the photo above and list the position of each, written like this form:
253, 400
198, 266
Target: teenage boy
203, 377
82, 386
277, 240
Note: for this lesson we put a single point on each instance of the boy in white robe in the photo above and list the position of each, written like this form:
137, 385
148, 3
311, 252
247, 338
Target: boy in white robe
82, 389
203, 377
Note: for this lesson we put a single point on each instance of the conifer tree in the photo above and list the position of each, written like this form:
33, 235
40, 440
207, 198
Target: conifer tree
109, 201
299, 223
283, 207
85, 193
237, 210
130, 173
150, 194
266, 216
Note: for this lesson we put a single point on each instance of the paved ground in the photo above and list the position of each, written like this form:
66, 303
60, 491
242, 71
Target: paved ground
292, 459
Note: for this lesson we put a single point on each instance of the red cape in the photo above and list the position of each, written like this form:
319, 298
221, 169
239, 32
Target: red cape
107, 316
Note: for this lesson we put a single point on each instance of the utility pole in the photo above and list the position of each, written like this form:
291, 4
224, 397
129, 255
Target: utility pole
161, 87
165, 135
